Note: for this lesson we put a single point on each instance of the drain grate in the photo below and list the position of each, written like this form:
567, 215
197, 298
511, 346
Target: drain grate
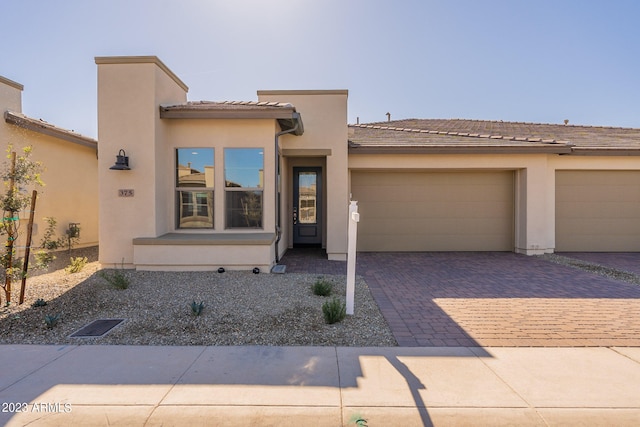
97, 328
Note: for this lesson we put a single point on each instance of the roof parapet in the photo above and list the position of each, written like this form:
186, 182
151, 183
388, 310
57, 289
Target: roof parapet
142, 60
11, 83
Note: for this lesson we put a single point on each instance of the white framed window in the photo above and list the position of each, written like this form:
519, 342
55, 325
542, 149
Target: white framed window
194, 187
244, 187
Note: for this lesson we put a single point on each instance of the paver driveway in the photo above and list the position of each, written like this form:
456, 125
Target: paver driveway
492, 299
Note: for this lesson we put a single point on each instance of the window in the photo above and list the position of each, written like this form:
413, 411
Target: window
244, 182
307, 193
194, 187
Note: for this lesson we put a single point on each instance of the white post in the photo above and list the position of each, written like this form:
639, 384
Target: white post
354, 217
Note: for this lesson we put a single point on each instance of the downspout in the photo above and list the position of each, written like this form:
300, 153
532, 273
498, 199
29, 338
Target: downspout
277, 192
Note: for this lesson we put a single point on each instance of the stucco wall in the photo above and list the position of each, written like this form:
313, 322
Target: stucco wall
217, 134
130, 91
534, 199
531, 215
324, 114
70, 194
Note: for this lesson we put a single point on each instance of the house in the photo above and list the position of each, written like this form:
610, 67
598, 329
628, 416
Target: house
235, 184
70, 194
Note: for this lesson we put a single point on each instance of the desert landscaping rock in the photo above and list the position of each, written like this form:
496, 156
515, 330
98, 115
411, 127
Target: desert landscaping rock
612, 273
240, 308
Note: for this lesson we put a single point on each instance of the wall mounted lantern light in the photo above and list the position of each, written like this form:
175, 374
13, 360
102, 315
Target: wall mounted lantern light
122, 162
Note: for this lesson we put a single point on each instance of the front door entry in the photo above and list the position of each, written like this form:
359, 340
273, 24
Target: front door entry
307, 206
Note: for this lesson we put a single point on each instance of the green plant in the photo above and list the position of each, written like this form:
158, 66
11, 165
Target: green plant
43, 258
39, 303
51, 320
50, 243
77, 264
196, 308
358, 420
117, 279
322, 288
334, 311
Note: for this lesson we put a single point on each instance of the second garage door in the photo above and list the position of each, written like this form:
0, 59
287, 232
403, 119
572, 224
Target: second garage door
598, 211
434, 211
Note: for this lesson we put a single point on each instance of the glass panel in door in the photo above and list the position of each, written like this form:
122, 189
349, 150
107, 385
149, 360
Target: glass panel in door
307, 206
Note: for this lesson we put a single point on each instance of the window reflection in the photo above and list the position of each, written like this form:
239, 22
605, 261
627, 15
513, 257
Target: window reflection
195, 167
194, 187
307, 189
244, 181
244, 167
244, 209
195, 209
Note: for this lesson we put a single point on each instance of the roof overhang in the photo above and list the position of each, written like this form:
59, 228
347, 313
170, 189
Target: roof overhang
294, 123
285, 114
605, 151
45, 128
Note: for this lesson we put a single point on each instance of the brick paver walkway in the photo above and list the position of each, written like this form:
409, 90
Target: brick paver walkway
492, 299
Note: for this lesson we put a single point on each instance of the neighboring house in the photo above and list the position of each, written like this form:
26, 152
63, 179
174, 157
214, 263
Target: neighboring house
234, 184
70, 194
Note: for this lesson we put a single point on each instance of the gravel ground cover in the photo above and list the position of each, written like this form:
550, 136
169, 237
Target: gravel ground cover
613, 273
240, 308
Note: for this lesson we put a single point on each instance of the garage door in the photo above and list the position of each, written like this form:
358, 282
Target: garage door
598, 211
434, 211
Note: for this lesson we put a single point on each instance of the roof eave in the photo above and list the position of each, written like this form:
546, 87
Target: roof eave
287, 117
48, 129
605, 151
294, 123
172, 112
442, 149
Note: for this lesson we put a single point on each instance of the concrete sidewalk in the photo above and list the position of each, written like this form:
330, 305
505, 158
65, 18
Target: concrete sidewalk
319, 386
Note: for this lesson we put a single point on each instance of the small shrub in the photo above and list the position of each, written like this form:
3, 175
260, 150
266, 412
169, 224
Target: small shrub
51, 320
77, 264
334, 311
39, 303
196, 308
43, 259
117, 279
322, 288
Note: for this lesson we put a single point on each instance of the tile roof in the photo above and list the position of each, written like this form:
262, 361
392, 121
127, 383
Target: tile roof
457, 135
284, 113
40, 126
227, 106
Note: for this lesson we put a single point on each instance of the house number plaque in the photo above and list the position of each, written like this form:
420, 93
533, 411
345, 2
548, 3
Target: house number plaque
125, 193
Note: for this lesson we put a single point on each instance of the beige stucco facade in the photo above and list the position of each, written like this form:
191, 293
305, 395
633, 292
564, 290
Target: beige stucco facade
70, 169
534, 199
530, 201
448, 196
323, 144
142, 230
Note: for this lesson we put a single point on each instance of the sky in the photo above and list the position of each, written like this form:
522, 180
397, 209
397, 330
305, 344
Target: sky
539, 61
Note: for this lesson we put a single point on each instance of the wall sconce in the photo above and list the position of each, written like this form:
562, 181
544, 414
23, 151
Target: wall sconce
122, 162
